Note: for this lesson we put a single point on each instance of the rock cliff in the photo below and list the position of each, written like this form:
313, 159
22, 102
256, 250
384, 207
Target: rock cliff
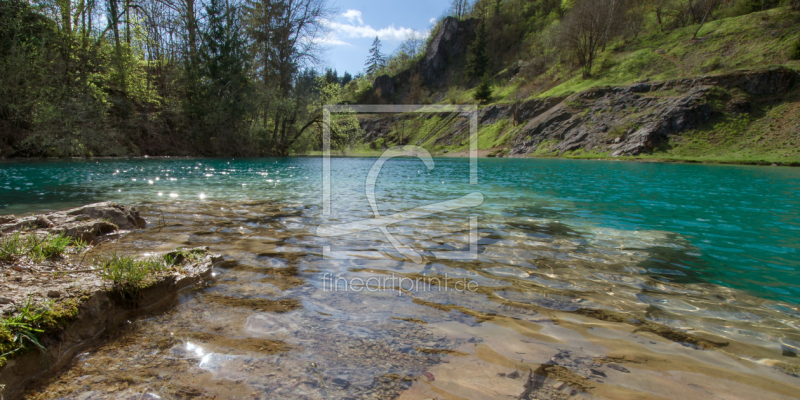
620, 121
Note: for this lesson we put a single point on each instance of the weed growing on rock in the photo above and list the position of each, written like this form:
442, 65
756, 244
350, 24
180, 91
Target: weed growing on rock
127, 271
17, 245
20, 331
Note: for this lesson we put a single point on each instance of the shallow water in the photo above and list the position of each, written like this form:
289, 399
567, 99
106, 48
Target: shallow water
588, 273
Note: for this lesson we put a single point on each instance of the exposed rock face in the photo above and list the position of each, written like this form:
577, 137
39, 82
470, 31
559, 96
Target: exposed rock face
620, 121
635, 119
449, 41
385, 83
83, 223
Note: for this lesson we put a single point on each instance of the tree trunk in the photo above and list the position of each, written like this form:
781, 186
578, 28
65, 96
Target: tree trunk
708, 10
66, 15
191, 27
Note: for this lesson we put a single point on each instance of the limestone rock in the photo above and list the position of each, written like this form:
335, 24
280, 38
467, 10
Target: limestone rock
451, 40
83, 223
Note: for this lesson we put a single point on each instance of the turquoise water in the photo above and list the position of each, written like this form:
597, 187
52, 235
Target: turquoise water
733, 226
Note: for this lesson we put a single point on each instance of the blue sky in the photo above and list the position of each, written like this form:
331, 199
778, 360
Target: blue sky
359, 21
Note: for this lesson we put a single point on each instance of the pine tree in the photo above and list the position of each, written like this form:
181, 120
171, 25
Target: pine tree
346, 78
331, 76
223, 68
477, 59
484, 91
376, 59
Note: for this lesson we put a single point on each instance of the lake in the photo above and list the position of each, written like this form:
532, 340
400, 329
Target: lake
557, 266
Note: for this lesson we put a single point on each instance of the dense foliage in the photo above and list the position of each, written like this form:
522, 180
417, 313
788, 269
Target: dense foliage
160, 77
236, 77
534, 45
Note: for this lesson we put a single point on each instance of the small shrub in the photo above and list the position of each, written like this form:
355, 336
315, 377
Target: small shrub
484, 91
713, 64
794, 53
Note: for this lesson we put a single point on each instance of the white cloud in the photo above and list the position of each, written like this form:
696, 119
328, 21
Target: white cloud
353, 16
332, 41
351, 25
432, 20
365, 31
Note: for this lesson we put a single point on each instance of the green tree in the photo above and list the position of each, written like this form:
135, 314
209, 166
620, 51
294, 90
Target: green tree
477, 58
346, 78
483, 92
223, 68
376, 59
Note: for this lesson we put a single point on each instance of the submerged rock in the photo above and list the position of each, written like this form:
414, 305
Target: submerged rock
84, 223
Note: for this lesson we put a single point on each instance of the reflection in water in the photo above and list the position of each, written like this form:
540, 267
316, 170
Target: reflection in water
557, 312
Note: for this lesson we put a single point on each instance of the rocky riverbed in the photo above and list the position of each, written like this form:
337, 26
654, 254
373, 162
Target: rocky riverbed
269, 324
56, 305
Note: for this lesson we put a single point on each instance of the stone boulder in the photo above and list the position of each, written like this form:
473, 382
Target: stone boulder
84, 223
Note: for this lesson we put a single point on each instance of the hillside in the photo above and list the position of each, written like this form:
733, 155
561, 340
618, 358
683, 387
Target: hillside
729, 95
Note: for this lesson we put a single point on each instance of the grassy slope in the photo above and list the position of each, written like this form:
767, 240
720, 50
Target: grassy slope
750, 41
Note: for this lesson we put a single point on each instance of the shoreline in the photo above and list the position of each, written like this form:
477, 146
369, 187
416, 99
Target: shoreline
458, 154
53, 309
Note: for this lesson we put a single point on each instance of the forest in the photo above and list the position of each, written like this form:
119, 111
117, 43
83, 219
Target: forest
241, 77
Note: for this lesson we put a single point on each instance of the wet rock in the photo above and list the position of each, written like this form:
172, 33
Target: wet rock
618, 367
341, 382
5, 219
598, 372
84, 223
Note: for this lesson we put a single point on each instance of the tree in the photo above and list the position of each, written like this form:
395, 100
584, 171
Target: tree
484, 91
460, 8
589, 25
413, 45
376, 59
477, 58
346, 78
331, 76
223, 66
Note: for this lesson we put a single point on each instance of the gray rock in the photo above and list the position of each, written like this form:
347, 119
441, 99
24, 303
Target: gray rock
450, 41
83, 223
385, 83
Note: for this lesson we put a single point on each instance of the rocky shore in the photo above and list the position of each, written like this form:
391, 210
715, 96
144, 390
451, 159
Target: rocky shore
614, 121
55, 307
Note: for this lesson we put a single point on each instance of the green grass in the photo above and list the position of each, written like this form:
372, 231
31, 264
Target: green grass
17, 245
24, 329
749, 41
129, 272
19, 332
